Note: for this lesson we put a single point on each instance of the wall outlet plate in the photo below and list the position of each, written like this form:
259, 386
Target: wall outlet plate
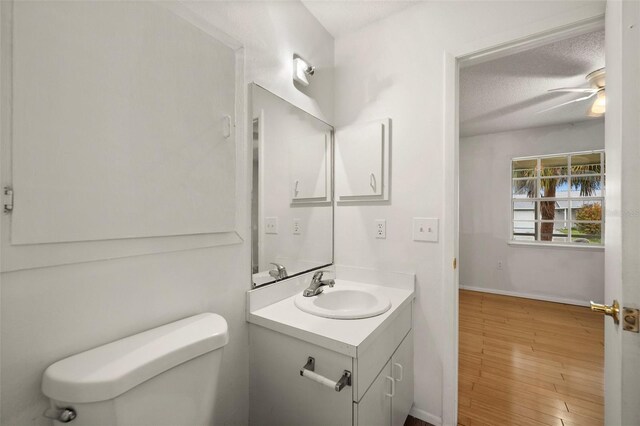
270, 225
425, 229
381, 228
297, 226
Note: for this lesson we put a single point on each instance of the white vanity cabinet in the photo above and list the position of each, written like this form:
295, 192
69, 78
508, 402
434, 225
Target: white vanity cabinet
381, 390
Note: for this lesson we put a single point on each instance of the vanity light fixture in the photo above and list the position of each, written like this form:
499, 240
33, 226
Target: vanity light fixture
302, 70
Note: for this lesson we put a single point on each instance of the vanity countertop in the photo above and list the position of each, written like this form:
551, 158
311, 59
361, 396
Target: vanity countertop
339, 335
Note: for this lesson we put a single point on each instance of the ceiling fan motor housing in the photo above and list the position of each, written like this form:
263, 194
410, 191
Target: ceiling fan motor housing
596, 78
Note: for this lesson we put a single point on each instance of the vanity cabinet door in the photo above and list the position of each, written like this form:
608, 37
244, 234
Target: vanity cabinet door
374, 409
402, 372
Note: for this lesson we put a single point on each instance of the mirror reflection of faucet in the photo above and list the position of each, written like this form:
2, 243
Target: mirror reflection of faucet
279, 273
317, 284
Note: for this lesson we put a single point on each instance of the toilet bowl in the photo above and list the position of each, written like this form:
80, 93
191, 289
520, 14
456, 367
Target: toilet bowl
164, 376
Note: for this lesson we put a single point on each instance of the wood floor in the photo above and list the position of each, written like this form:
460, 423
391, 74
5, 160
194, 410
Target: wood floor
528, 362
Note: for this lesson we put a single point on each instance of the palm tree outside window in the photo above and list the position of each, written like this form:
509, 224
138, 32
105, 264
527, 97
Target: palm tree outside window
558, 199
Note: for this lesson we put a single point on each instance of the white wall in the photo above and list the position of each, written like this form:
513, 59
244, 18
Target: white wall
394, 68
574, 275
281, 29
49, 313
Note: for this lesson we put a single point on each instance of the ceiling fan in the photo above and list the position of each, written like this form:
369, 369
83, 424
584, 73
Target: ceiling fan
597, 81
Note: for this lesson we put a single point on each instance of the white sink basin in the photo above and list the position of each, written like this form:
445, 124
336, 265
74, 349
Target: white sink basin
344, 302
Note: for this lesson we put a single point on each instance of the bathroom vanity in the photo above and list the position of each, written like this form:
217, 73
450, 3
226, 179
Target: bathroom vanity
362, 369
329, 344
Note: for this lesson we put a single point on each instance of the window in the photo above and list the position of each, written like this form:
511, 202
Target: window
558, 199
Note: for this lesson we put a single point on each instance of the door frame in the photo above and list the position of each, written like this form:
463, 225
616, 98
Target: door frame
582, 22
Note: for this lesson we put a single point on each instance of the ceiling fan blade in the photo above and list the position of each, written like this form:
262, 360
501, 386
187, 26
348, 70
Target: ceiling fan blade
584, 98
574, 89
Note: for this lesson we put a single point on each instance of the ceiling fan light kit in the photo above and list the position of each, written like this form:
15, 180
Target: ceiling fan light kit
598, 107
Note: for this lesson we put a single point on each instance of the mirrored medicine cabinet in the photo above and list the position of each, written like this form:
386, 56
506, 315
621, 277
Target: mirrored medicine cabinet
292, 190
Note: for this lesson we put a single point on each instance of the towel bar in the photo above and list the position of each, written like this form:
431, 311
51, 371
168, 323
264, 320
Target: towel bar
308, 372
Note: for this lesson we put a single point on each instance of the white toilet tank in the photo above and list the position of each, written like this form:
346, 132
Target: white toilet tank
164, 376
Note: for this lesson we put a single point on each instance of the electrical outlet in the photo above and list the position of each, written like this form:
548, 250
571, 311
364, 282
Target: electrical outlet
297, 227
270, 225
425, 229
381, 228
499, 266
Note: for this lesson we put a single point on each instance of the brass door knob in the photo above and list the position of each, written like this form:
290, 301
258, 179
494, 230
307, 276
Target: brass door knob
611, 310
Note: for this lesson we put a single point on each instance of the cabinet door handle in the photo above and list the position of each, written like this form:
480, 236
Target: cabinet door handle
393, 387
295, 189
395, 364
372, 181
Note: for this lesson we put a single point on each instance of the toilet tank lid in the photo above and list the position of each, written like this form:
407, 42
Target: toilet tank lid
107, 371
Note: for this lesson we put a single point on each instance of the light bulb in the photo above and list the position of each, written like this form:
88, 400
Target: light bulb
598, 108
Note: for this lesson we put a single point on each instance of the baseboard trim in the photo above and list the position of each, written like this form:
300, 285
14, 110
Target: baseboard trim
527, 295
425, 417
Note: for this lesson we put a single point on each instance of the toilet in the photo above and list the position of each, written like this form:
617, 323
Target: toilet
164, 376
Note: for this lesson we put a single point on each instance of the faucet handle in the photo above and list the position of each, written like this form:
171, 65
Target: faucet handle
278, 266
317, 276
279, 273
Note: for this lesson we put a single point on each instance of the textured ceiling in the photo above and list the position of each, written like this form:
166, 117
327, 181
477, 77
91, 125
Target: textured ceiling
344, 16
508, 93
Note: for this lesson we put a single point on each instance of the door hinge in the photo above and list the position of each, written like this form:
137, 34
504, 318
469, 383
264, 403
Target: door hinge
7, 199
630, 319
455, 263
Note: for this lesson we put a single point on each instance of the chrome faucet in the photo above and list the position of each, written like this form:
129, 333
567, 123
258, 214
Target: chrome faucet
279, 273
316, 284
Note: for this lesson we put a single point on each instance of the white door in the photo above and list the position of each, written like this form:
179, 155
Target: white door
622, 242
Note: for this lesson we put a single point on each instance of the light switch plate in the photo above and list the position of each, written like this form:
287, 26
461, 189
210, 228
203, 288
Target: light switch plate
425, 229
270, 225
297, 226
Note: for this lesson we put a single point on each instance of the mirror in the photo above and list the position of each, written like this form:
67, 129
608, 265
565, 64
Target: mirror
292, 190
